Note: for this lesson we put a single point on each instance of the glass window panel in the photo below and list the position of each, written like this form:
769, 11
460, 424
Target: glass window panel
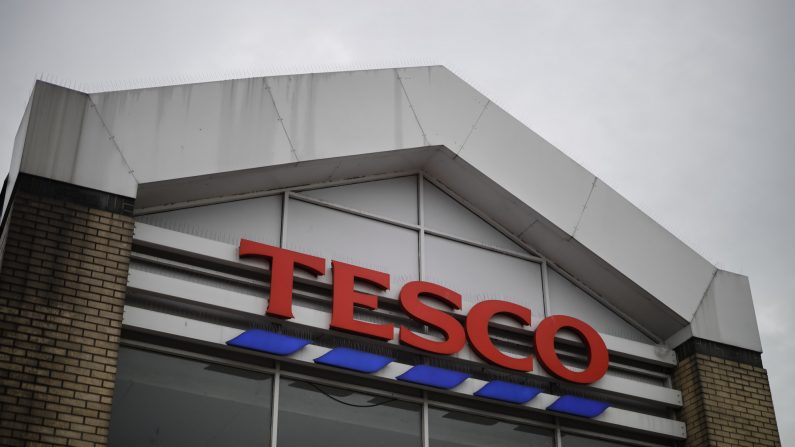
570, 440
314, 415
393, 198
445, 214
256, 219
336, 235
568, 299
480, 275
170, 401
454, 429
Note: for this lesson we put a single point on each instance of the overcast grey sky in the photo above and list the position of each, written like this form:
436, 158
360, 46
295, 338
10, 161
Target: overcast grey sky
687, 108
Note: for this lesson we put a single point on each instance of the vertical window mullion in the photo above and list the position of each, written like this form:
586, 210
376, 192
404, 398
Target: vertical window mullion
545, 289
275, 406
425, 429
283, 229
558, 436
421, 222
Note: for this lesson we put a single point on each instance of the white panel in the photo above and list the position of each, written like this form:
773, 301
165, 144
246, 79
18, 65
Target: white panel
446, 106
393, 198
188, 130
192, 244
529, 167
229, 297
335, 114
640, 248
445, 214
567, 299
99, 164
726, 314
66, 141
183, 327
256, 219
53, 131
340, 236
480, 275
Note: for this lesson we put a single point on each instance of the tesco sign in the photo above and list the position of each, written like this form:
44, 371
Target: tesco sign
475, 330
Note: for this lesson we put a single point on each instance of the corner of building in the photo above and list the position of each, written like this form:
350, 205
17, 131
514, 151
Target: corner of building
63, 280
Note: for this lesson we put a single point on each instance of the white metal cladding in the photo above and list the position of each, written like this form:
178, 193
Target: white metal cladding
140, 140
720, 314
257, 219
196, 129
622, 234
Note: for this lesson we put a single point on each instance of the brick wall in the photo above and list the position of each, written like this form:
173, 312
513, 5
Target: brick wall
726, 396
62, 288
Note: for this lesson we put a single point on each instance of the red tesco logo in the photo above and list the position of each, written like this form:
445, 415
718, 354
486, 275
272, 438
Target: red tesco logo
475, 329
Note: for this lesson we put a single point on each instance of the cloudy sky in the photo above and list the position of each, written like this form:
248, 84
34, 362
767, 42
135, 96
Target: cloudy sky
687, 108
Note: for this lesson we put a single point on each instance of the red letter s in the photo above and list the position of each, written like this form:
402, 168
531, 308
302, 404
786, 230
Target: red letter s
454, 332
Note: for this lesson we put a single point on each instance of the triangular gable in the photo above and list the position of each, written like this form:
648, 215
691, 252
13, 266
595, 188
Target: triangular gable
374, 223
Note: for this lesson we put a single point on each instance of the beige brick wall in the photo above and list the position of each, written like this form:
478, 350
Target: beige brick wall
62, 288
725, 402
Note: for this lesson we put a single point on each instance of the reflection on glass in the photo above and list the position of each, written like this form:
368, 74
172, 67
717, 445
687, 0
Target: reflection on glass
570, 440
316, 415
170, 401
454, 429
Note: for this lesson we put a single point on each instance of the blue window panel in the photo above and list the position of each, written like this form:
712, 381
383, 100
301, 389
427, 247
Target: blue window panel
508, 392
266, 341
433, 376
354, 360
578, 406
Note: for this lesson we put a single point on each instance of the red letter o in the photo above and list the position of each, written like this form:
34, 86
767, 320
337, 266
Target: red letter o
594, 345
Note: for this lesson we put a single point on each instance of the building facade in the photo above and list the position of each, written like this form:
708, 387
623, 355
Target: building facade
379, 257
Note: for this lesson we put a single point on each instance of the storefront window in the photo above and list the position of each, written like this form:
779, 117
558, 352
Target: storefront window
170, 401
456, 429
167, 400
315, 415
570, 440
